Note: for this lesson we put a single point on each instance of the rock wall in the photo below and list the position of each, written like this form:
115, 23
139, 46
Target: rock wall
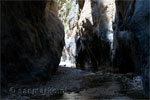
131, 38
89, 33
94, 40
95, 34
32, 40
69, 51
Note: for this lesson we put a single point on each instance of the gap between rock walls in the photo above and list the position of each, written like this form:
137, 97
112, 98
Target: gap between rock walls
75, 49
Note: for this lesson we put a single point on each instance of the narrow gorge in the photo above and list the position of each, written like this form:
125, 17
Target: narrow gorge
75, 49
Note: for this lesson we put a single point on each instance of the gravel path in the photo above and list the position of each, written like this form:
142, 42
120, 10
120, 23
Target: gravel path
75, 84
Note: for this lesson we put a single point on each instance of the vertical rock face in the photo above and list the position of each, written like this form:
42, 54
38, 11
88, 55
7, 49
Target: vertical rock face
32, 41
89, 33
132, 38
68, 13
95, 34
89, 30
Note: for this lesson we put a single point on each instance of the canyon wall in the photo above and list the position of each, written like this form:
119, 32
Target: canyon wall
131, 38
89, 32
103, 34
95, 34
69, 10
32, 41
99, 34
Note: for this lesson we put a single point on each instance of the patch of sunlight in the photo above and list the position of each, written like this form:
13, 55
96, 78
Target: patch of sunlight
67, 63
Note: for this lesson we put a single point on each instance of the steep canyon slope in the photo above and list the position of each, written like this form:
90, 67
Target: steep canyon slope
106, 41
32, 41
108, 34
132, 38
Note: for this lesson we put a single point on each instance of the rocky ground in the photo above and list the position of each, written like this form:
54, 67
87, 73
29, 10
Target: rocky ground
75, 84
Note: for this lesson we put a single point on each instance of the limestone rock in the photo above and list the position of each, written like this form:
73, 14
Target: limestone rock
96, 33
133, 17
32, 41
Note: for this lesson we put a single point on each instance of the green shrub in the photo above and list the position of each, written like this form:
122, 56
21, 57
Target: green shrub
68, 7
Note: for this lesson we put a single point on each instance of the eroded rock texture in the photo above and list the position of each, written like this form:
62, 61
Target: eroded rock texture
89, 33
69, 10
96, 34
132, 38
32, 41
94, 40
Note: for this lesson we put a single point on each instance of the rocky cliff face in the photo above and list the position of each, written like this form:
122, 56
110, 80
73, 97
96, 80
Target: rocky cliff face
95, 34
69, 51
99, 34
132, 38
89, 30
32, 41
102, 42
